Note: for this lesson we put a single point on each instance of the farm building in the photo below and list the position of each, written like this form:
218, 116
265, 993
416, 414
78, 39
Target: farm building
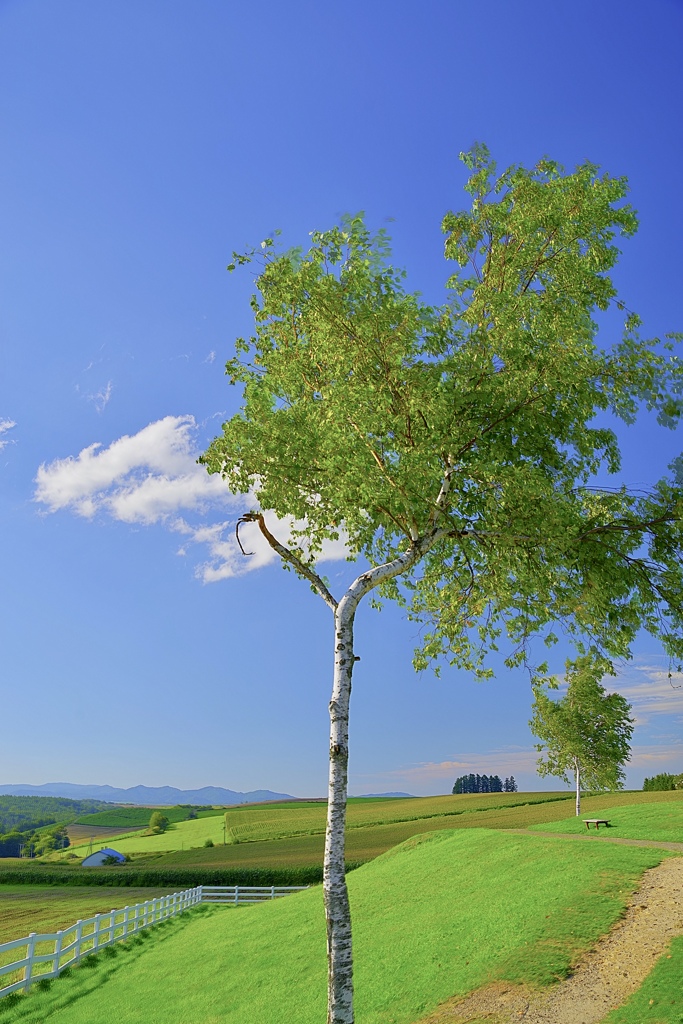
95, 860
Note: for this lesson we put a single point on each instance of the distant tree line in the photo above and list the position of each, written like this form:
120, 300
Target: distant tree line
484, 784
33, 842
663, 781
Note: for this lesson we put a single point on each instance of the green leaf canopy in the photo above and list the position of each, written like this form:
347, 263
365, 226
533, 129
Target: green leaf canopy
480, 424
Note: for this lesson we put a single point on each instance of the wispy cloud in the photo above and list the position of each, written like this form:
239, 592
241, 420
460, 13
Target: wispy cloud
648, 688
502, 762
211, 357
6, 425
657, 757
227, 560
153, 477
100, 399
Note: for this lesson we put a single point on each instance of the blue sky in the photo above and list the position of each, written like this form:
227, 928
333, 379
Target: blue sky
142, 143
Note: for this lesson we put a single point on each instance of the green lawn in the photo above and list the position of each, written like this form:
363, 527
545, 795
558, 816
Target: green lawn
439, 916
662, 821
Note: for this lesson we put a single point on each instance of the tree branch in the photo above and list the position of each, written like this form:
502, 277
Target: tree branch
300, 567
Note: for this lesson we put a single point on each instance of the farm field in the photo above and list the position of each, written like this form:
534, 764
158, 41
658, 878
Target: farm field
79, 834
125, 817
662, 821
416, 944
265, 822
40, 908
369, 841
363, 843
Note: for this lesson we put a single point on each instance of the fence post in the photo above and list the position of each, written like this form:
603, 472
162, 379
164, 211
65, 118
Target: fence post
272, 892
28, 970
79, 933
237, 894
96, 933
125, 922
58, 950
201, 893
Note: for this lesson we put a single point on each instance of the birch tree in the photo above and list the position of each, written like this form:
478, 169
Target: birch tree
455, 447
588, 732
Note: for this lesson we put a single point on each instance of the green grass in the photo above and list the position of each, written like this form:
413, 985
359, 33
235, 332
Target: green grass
39, 908
661, 821
659, 1000
186, 834
439, 916
129, 817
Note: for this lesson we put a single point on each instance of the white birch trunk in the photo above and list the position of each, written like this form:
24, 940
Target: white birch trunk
337, 910
577, 773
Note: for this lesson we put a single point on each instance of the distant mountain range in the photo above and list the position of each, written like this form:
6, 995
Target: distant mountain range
146, 795
369, 795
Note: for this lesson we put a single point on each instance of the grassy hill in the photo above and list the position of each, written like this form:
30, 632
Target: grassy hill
440, 915
661, 821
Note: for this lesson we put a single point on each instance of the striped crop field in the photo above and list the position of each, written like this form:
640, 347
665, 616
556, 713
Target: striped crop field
293, 834
363, 844
264, 823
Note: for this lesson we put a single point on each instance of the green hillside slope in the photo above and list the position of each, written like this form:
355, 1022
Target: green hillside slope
439, 916
661, 822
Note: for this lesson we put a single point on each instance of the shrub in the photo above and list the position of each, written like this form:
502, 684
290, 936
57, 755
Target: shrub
208, 842
663, 781
158, 822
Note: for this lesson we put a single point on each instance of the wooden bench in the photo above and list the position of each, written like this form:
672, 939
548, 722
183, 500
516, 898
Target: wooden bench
597, 822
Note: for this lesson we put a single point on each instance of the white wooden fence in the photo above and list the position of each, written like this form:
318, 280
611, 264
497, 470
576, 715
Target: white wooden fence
47, 955
246, 893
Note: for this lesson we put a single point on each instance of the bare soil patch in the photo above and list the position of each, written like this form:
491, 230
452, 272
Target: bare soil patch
604, 977
82, 833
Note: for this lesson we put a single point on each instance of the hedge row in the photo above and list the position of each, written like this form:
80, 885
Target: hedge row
178, 878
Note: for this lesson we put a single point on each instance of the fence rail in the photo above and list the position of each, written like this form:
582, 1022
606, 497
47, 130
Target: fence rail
69, 945
235, 894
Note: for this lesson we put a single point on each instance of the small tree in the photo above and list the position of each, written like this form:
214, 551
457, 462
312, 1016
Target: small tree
587, 732
158, 822
453, 447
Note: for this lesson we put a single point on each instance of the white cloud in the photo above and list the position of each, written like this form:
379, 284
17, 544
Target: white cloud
227, 560
144, 477
5, 425
100, 398
647, 687
153, 477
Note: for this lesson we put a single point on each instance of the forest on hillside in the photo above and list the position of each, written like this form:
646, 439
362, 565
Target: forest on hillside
22, 816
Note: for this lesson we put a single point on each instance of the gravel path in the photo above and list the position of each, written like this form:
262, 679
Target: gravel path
605, 976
